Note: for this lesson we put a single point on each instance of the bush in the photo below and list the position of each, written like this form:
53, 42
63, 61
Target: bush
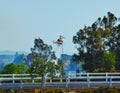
86, 90
107, 90
54, 91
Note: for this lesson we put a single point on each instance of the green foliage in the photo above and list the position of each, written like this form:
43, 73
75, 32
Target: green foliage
22, 68
44, 50
107, 62
10, 69
41, 64
14, 69
41, 59
93, 41
61, 69
52, 68
117, 66
38, 66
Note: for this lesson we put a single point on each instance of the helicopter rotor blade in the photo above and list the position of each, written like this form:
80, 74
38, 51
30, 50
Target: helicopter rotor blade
61, 36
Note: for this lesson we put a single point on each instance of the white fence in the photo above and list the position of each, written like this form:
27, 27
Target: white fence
83, 80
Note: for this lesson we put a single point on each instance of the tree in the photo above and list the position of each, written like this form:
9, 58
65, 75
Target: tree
9, 69
52, 69
42, 49
114, 43
22, 68
39, 66
61, 69
15, 69
94, 40
107, 62
41, 60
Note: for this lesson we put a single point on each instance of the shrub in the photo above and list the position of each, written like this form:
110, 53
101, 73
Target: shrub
107, 90
54, 91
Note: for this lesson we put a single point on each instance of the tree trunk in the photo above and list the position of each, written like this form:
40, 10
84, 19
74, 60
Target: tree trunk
42, 84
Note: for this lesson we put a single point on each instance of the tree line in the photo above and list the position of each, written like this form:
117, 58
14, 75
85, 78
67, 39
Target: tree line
98, 45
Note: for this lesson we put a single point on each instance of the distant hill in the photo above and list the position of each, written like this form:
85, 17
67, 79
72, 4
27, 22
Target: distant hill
7, 57
20, 59
9, 52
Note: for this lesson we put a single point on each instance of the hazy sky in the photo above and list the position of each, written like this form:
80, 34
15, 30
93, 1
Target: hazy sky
21, 21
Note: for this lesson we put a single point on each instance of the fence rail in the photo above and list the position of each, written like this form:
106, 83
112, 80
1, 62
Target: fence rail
82, 81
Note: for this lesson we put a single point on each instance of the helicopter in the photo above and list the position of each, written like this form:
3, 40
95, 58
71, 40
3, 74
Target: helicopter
60, 40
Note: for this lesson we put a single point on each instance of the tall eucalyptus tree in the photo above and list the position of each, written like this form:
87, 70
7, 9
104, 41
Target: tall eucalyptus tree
41, 60
92, 41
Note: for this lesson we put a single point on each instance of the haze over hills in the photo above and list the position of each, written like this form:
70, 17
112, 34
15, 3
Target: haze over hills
9, 52
17, 57
8, 56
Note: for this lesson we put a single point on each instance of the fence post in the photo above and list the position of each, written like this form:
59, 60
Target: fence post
44, 82
67, 80
0, 83
87, 74
33, 81
110, 81
21, 83
88, 80
13, 81
106, 76
50, 79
